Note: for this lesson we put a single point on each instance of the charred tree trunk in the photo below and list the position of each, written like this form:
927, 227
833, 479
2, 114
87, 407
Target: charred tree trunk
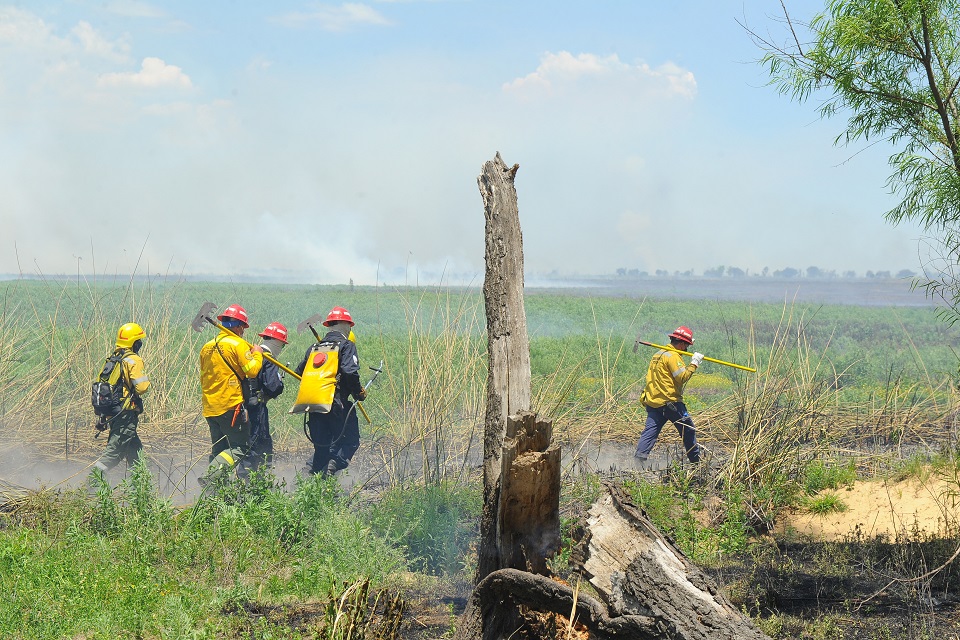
520, 523
528, 514
508, 378
650, 591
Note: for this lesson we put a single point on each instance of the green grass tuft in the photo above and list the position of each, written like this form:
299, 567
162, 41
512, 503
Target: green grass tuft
825, 504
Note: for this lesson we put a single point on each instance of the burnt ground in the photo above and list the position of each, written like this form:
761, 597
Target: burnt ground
858, 588
862, 589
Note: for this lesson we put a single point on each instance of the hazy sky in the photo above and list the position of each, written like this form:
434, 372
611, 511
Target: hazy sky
338, 139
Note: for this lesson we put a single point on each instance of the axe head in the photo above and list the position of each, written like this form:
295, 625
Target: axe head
315, 319
636, 344
203, 316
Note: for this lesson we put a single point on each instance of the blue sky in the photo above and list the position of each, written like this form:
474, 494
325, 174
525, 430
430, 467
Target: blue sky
324, 142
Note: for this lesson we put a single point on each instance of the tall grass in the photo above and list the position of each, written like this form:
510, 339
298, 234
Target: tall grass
436, 385
427, 407
57, 348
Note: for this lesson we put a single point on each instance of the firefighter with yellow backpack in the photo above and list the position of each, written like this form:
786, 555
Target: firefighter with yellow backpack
116, 398
330, 375
227, 364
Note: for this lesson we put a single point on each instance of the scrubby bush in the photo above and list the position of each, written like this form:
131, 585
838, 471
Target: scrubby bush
436, 524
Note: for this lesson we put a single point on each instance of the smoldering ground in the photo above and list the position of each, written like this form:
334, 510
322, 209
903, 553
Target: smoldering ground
376, 465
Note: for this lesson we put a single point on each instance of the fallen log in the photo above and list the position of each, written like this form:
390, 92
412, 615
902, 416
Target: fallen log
637, 570
501, 593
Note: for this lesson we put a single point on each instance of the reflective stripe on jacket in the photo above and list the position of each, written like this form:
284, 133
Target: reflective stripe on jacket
665, 379
219, 382
133, 365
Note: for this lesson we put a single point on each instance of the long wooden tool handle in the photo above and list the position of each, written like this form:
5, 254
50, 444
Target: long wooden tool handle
264, 353
367, 386
687, 353
364, 412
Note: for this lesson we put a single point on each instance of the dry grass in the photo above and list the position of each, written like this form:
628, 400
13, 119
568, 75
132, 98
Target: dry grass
428, 406
44, 393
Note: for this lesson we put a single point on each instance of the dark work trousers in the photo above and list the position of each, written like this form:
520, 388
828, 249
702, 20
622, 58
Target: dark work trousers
328, 432
228, 433
346, 444
261, 442
123, 443
675, 412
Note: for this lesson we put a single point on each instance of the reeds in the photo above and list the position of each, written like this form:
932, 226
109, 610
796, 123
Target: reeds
55, 350
436, 380
427, 407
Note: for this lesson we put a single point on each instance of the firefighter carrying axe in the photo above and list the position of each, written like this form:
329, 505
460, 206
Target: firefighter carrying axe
205, 315
687, 353
318, 318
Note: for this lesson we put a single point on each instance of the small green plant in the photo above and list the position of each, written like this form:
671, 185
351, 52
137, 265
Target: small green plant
826, 503
434, 523
679, 509
818, 476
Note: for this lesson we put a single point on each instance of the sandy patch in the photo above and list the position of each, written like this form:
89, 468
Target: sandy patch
885, 508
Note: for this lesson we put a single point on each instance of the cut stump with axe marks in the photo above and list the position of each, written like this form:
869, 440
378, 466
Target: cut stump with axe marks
649, 589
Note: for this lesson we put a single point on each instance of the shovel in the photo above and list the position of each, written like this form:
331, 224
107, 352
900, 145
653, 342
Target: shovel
318, 318
687, 353
204, 316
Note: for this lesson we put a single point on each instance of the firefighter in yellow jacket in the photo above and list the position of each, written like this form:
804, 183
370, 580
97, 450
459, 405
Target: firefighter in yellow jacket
123, 442
663, 396
226, 362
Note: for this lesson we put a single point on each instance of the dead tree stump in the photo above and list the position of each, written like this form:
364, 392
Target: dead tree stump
520, 523
651, 591
508, 374
529, 509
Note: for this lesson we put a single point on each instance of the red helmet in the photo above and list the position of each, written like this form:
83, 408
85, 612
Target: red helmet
683, 334
235, 312
276, 331
338, 314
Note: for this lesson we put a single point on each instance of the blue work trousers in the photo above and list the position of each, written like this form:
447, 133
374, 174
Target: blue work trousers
675, 412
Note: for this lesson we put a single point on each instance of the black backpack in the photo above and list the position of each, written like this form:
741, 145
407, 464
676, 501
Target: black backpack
107, 391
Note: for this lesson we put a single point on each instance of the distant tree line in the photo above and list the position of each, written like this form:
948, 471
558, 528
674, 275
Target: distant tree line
723, 271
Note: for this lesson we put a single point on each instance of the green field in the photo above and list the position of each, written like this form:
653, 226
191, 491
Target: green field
432, 343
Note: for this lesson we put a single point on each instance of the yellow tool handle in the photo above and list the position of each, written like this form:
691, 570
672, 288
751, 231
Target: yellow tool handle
687, 353
364, 412
284, 367
264, 353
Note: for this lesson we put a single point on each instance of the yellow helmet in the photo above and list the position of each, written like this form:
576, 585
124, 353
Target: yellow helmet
128, 334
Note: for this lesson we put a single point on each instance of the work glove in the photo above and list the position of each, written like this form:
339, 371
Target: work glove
361, 395
696, 359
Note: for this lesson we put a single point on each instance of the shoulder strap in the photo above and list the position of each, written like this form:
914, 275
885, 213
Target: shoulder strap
216, 343
116, 359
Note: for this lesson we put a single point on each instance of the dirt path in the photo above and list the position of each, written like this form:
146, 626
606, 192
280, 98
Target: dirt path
909, 508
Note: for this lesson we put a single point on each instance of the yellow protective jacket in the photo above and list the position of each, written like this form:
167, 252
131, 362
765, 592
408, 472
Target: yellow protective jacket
665, 379
222, 360
136, 379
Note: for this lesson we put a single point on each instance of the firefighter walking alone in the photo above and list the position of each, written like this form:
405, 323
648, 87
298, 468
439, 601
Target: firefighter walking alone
663, 396
119, 405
